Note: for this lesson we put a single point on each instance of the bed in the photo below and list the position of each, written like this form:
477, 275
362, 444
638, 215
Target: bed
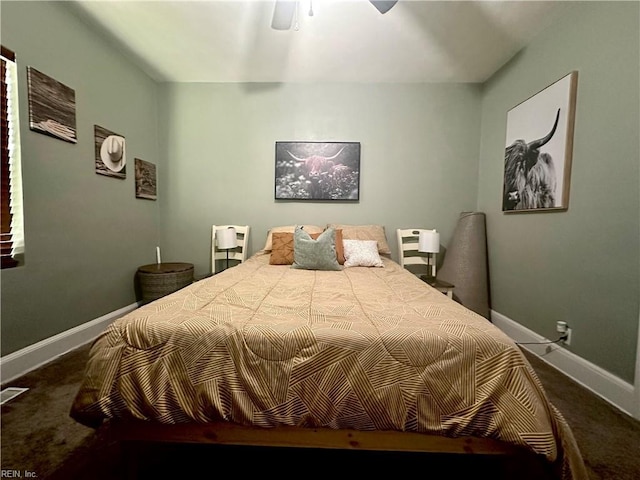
285, 350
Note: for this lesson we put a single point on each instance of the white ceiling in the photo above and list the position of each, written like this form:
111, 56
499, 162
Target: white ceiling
344, 41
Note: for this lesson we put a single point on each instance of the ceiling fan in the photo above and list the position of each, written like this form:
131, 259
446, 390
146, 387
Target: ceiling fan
285, 11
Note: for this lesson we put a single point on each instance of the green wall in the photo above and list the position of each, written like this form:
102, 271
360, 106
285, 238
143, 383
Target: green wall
214, 146
582, 265
85, 234
419, 149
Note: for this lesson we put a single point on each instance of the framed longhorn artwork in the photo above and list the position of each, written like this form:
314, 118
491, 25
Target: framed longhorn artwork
321, 171
538, 149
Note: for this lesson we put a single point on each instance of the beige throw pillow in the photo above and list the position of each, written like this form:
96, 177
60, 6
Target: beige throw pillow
289, 228
365, 232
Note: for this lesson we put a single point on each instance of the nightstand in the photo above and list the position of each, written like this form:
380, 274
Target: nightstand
160, 279
440, 285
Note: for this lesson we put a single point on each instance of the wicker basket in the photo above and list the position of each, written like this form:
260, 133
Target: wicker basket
160, 279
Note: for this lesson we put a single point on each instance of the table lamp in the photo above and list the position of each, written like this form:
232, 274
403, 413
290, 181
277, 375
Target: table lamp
429, 243
227, 239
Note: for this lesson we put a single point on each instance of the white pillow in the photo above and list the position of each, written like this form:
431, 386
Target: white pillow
361, 253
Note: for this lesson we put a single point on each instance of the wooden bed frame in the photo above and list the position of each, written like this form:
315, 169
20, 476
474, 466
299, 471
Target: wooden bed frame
132, 434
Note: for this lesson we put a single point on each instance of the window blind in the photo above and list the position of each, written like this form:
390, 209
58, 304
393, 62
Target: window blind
11, 208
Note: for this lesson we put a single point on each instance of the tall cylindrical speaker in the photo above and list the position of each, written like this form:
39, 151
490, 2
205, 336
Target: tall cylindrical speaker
465, 263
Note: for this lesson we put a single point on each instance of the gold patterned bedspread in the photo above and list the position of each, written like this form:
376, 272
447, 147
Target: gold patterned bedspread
362, 348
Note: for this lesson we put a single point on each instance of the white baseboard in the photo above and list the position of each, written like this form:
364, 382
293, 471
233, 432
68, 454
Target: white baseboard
614, 390
29, 358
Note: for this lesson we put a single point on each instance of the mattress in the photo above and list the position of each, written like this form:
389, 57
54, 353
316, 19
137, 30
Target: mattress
364, 348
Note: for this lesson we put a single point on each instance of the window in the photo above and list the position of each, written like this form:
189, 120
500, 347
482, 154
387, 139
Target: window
11, 217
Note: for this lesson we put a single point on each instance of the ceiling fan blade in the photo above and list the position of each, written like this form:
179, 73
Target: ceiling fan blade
383, 6
283, 13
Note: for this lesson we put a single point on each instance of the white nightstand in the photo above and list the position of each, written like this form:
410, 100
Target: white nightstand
440, 285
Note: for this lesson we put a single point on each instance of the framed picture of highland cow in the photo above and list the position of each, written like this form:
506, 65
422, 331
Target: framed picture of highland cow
320, 171
538, 149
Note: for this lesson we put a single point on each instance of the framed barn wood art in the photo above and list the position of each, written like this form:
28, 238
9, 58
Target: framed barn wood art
52, 106
145, 179
317, 171
538, 150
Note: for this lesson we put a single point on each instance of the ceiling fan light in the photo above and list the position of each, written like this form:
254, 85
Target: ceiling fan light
283, 13
383, 6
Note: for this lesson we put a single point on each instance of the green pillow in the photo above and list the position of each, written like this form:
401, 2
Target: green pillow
318, 254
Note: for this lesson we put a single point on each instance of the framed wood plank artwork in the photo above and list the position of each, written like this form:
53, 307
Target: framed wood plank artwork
52, 106
145, 179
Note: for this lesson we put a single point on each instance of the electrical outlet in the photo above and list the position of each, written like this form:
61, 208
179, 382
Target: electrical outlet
563, 329
567, 341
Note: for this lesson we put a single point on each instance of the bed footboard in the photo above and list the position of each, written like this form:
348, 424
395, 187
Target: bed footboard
508, 460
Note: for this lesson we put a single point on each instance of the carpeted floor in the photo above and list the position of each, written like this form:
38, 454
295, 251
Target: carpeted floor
39, 438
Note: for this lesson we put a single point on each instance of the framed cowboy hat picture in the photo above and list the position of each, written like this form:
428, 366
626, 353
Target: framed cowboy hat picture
111, 158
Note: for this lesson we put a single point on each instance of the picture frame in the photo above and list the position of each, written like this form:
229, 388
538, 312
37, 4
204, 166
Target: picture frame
52, 106
145, 173
317, 171
110, 153
539, 149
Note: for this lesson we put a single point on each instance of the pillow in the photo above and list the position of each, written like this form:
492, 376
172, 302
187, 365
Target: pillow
282, 249
365, 232
339, 246
361, 253
288, 228
310, 254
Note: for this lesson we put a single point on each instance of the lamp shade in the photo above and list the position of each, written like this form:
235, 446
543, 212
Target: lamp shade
429, 241
227, 238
